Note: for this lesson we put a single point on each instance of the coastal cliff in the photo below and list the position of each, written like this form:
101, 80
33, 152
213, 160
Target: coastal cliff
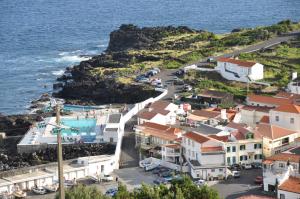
82, 85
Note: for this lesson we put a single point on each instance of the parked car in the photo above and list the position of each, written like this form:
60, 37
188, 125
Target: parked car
187, 87
166, 174
179, 82
107, 178
247, 166
156, 69
160, 181
256, 165
258, 180
180, 72
159, 85
111, 192
235, 167
144, 80
154, 72
236, 174
200, 182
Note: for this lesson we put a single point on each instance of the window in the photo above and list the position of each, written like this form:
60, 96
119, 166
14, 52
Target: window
220, 170
228, 149
233, 149
292, 120
212, 170
243, 157
102, 168
249, 136
277, 118
257, 146
285, 140
233, 160
242, 147
228, 160
111, 139
282, 196
281, 165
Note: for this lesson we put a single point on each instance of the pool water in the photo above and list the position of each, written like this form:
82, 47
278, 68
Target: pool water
83, 127
79, 108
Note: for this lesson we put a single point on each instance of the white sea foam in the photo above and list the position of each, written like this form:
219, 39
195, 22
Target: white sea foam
71, 58
58, 72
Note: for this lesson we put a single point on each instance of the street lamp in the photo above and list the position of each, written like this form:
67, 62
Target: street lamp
59, 154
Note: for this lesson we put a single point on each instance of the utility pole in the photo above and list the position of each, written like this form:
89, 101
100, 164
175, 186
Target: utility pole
59, 156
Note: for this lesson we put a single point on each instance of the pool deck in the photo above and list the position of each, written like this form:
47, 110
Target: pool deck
42, 135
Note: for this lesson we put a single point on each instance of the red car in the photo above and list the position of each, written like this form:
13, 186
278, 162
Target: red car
259, 180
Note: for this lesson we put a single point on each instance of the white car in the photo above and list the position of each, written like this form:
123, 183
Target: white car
236, 174
107, 178
247, 166
200, 182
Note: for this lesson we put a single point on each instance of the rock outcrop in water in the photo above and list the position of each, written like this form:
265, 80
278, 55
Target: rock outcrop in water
80, 86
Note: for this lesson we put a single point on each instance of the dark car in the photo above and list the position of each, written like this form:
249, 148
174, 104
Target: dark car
256, 165
259, 180
160, 181
235, 167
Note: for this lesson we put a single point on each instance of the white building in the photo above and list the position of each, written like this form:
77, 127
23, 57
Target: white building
171, 153
241, 144
112, 129
252, 115
205, 156
160, 112
238, 70
286, 116
275, 139
282, 169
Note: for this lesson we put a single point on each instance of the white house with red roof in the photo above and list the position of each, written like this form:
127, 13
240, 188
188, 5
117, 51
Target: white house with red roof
275, 138
286, 116
237, 70
242, 145
160, 112
205, 156
283, 169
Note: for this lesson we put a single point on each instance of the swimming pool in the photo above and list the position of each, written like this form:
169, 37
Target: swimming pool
78, 108
85, 128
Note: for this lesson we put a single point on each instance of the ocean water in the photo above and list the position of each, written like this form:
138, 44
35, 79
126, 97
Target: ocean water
39, 38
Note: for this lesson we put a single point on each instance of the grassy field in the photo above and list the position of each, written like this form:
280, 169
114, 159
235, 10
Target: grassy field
174, 51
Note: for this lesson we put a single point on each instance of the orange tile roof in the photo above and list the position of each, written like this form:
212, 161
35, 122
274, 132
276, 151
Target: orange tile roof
212, 149
269, 99
161, 111
220, 138
196, 137
289, 108
173, 146
147, 115
160, 105
161, 131
268, 162
206, 113
265, 119
291, 185
284, 157
238, 62
256, 108
272, 131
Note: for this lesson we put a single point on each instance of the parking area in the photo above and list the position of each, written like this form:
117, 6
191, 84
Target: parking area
236, 187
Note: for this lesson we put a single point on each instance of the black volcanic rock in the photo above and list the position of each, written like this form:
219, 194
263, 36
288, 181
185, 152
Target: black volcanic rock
133, 37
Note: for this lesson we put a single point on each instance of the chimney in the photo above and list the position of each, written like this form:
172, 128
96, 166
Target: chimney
223, 114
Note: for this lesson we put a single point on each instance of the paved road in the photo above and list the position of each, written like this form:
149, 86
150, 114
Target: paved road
167, 75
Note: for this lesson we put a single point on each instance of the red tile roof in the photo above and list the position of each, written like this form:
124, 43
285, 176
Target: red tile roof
289, 108
212, 149
268, 162
205, 113
238, 62
161, 131
147, 115
173, 146
270, 100
256, 108
265, 119
161, 111
196, 137
284, 157
291, 185
160, 105
272, 131
220, 138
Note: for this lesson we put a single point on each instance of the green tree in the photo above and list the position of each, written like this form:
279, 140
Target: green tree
83, 192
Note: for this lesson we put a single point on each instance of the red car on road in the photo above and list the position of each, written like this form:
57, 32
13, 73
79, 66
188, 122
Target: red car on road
259, 180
